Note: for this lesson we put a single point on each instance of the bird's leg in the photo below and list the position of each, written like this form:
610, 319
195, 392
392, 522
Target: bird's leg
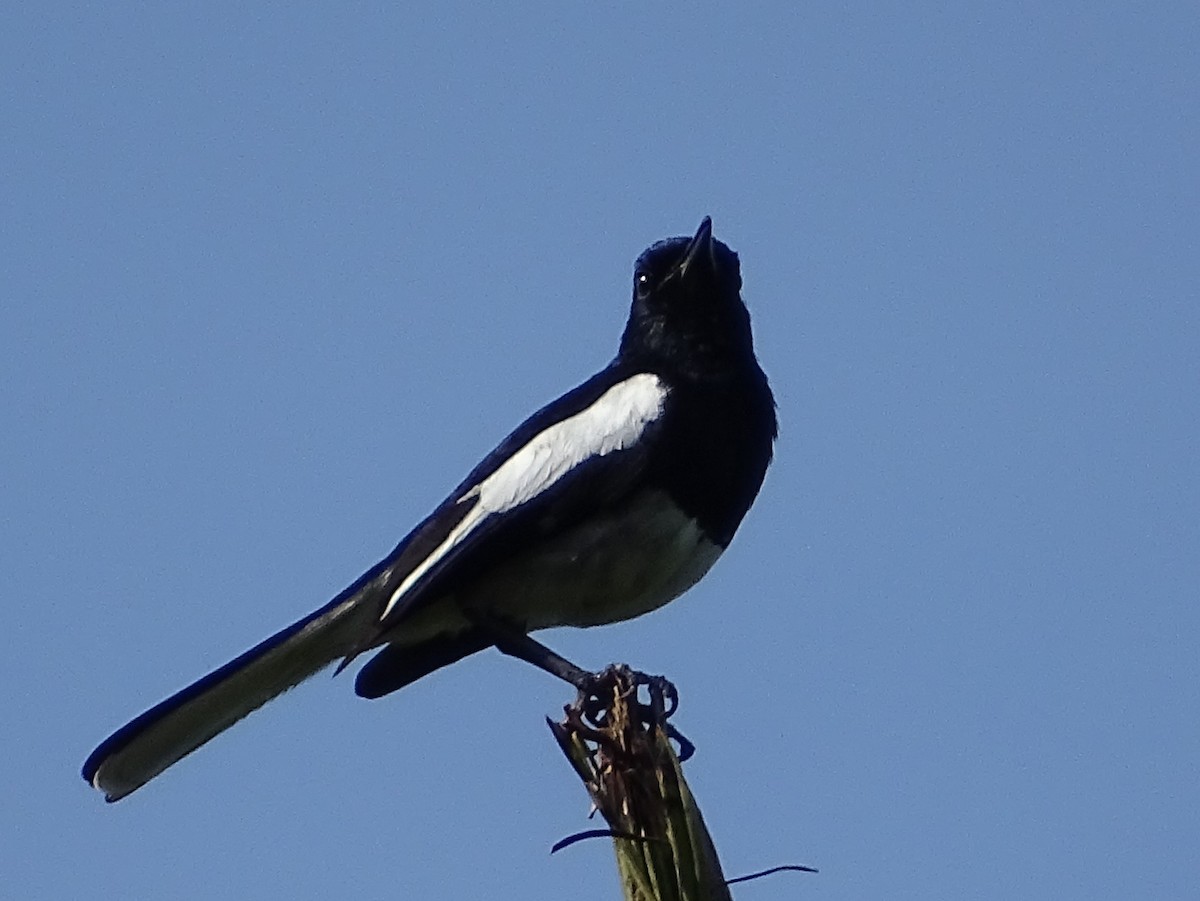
515, 643
595, 689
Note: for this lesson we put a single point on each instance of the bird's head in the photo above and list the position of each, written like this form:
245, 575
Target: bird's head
687, 310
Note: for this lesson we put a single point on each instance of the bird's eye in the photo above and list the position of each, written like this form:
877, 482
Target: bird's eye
641, 282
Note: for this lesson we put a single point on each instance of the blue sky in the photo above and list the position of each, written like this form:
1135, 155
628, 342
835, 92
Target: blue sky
274, 280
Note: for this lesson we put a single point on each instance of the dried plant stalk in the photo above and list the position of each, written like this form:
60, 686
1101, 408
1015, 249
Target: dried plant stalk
623, 753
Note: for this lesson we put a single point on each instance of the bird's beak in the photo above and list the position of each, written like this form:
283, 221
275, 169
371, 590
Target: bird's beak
700, 249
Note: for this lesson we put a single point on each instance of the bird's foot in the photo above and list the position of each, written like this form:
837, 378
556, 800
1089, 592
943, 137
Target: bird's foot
618, 684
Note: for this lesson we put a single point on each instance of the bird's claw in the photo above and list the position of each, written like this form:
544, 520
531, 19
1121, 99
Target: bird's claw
598, 690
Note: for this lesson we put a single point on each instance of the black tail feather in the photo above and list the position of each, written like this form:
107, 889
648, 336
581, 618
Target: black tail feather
396, 666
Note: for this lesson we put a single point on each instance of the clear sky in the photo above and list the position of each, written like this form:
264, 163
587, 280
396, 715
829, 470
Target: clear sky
272, 281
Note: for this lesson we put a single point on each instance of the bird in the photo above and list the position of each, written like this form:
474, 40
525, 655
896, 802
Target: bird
604, 505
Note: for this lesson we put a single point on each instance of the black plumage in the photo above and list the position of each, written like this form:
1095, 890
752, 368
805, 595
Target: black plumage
603, 505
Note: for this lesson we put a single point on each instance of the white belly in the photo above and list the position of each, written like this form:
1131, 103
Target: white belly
613, 569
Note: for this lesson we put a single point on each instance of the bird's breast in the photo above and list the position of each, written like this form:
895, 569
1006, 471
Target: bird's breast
615, 566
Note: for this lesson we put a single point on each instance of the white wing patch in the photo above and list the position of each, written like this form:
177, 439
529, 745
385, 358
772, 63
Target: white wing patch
613, 422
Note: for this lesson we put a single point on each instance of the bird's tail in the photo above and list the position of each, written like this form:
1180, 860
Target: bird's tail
140, 750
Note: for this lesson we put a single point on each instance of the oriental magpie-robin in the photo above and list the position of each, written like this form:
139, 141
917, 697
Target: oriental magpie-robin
603, 505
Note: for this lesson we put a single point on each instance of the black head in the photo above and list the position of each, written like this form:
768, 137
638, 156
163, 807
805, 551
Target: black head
688, 314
